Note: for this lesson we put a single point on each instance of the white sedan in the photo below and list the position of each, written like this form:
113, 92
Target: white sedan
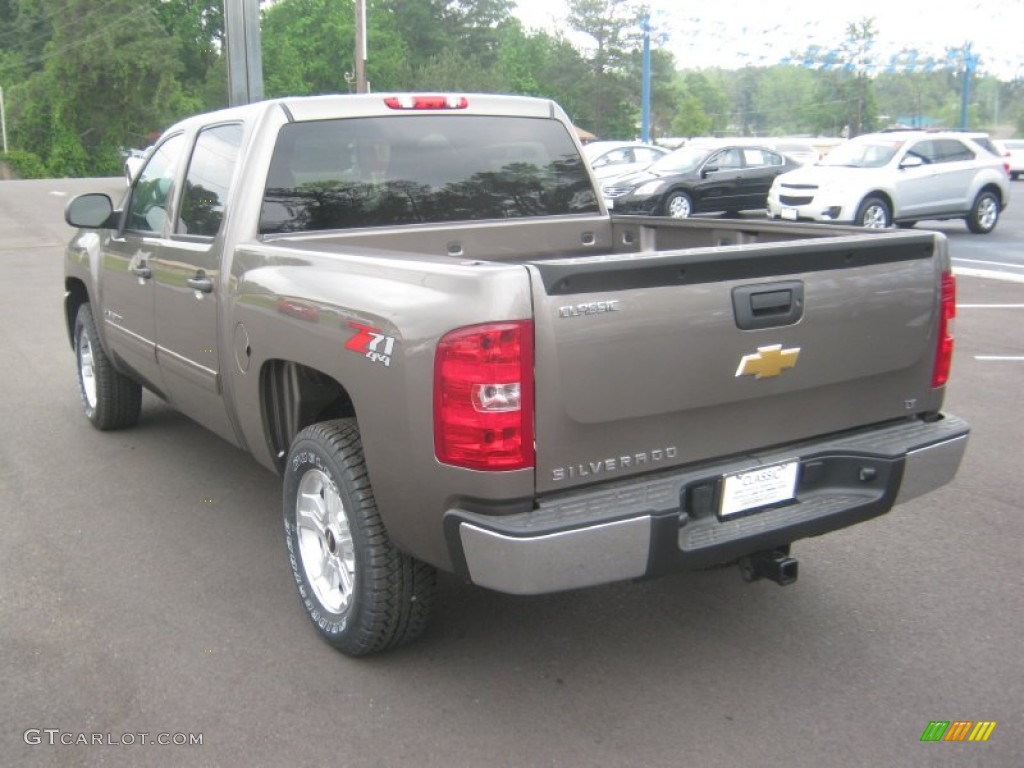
615, 158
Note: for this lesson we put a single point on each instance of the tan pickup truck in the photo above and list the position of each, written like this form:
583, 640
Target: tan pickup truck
418, 311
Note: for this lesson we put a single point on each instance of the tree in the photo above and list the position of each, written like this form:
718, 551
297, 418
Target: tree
198, 28
308, 46
614, 28
845, 95
105, 78
914, 98
782, 100
691, 119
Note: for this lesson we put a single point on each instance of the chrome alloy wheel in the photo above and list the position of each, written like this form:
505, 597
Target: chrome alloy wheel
325, 541
988, 212
679, 207
876, 217
86, 369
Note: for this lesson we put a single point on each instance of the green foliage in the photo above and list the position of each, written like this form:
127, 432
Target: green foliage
308, 46
67, 156
24, 164
106, 77
691, 119
84, 79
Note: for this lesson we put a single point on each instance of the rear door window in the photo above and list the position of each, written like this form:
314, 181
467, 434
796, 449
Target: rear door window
383, 171
208, 180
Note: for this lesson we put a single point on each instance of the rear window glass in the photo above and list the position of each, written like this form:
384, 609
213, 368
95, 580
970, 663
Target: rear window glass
986, 143
381, 171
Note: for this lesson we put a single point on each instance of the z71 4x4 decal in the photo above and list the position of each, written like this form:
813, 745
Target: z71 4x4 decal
371, 344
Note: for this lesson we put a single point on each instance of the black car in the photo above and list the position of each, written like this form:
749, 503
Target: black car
699, 179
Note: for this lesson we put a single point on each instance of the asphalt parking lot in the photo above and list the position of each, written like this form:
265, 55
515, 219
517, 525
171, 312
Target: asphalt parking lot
144, 590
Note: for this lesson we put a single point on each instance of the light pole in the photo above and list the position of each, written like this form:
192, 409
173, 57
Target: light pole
970, 64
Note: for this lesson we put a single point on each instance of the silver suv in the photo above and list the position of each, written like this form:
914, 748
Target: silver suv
898, 177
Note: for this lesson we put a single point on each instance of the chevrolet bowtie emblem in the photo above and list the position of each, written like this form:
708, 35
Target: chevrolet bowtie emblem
768, 361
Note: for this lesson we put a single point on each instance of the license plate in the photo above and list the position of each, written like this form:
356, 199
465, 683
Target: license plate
788, 213
759, 487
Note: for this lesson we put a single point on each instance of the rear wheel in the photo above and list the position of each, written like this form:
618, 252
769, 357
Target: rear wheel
361, 593
111, 400
984, 214
874, 213
678, 205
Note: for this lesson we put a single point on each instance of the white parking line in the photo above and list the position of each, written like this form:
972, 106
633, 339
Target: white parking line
989, 273
990, 306
1000, 358
991, 263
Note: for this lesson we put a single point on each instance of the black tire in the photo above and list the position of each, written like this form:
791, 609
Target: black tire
361, 593
678, 205
111, 399
874, 213
984, 213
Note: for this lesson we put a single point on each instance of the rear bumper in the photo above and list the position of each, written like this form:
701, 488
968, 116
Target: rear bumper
668, 522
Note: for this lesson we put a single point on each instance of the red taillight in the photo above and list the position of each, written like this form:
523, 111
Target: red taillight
947, 311
483, 396
426, 102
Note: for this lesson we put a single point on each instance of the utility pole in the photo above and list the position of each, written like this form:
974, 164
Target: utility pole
361, 86
645, 99
245, 61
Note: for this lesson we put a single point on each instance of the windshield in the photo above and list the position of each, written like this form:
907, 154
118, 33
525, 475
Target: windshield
685, 159
873, 153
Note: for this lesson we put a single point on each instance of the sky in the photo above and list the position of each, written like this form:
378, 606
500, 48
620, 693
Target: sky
735, 33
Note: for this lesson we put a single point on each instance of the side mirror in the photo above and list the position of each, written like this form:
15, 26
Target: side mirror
707, 170
911, 161
90, 211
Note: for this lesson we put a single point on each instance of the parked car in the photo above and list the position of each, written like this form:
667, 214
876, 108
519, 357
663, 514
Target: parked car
1013, 152
699, 179
798, 149
133, 161
897, 177
614, 158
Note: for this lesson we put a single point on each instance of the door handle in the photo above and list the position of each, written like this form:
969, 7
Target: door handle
200, 283
141, 270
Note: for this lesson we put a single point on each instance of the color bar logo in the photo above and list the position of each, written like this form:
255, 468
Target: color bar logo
958, 730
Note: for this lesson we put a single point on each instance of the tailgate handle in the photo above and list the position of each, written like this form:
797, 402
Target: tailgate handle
771, 302
768, 305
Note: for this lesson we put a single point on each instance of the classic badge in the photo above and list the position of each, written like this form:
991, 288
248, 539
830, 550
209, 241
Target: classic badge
768, 361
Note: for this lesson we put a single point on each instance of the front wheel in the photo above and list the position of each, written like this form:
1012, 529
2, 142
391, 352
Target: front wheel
984, 214
111, 400
874, 213
678, 205
361, 593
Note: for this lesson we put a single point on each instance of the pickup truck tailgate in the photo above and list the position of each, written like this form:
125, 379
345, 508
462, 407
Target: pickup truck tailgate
649, 360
